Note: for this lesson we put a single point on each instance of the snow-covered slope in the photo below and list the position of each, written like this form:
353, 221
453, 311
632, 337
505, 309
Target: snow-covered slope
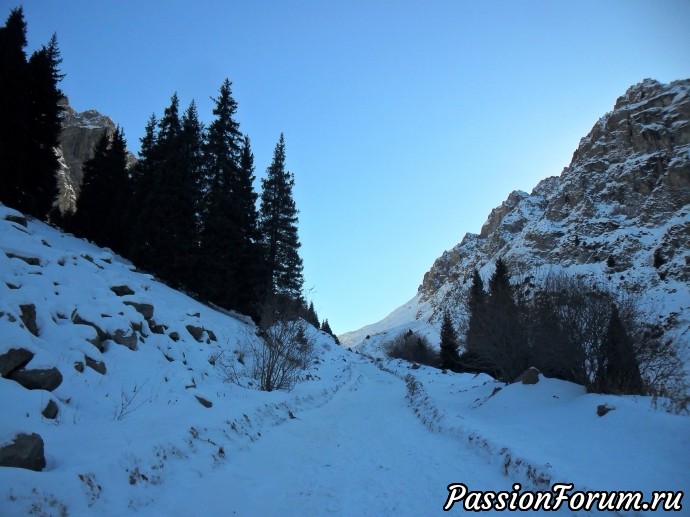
147, 424
625, 195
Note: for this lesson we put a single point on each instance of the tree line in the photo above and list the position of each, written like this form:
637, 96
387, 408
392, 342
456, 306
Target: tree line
568, 328
186, 212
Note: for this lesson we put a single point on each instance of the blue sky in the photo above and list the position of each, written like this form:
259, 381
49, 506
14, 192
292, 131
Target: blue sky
405, 122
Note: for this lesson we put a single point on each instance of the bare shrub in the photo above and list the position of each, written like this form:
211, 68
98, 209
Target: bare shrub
413, 348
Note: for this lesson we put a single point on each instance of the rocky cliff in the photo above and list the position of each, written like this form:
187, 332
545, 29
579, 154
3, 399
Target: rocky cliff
625, 195
80, 132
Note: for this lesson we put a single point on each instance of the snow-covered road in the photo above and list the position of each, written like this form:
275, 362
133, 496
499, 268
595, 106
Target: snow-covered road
362, 453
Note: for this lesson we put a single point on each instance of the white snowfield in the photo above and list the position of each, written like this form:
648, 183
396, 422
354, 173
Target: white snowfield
356, 436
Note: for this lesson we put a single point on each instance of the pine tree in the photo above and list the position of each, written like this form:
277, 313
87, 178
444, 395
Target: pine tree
476, 310
311, 316
619, 371
15, 105
30, 115
449, 355
164, 234
278, 223
231, 251
39, 182
105, 195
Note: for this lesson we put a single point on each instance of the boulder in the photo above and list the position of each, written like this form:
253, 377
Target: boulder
174, 336
21, 220
14, 359
204, 402
51, 410
157, 329
196, 332
602, 409
25, 452
32, 261
121, 290
101, 336
125, 338
529, 376
28, 317
145, 309
43, 379
98, 366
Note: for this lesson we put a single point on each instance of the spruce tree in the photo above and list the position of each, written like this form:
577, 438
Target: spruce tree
105, 195
619, 370
449, 356
311, 316
15, 104
38, 185
164, 234
278, 223
231, 253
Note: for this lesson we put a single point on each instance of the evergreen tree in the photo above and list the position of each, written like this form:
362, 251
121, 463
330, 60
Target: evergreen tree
15, 104
38, 186
476, 310
449, 355
619, 370
278, 223
311, 316
164, 234
230, 247
105, 195
30, 116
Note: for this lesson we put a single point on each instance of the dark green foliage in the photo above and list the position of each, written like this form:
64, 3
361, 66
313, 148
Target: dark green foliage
231, 256
105, 195
495, 341
278, 223
312, 318
449, 357
30, 116
165, 232
618, 371
412, 348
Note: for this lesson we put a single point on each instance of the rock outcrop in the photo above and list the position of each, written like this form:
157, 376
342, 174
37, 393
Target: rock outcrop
79, 134
625, 195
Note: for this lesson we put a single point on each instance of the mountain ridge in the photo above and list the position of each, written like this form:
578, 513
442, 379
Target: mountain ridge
625, 195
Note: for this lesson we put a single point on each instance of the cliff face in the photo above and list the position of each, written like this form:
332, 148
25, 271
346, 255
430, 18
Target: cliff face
80, 132
625, 195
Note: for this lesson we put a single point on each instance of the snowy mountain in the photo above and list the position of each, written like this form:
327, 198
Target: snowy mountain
78, 136
625, 195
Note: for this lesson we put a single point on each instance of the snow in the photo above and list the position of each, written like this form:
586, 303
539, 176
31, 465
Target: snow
356, 436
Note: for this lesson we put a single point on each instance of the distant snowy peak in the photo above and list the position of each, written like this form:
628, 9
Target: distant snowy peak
625, 195
78, 136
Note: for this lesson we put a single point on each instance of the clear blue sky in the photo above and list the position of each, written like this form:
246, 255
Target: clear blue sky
405, 122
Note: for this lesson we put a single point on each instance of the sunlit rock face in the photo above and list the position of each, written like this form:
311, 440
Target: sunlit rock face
625, 195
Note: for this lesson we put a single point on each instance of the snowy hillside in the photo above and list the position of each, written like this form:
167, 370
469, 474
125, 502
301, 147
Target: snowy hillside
122, 378
625, 196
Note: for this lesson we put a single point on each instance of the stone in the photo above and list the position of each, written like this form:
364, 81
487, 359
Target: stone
602, 409
51, 410
145, 309
174, 336
529, 376
121, 290
98, 366
79, 366
32, 261
14, 359
125, 338
25, 452
101, 336
196, 332
40, 379
203, 401
19, 219
211, 335
157, 329
28, 317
